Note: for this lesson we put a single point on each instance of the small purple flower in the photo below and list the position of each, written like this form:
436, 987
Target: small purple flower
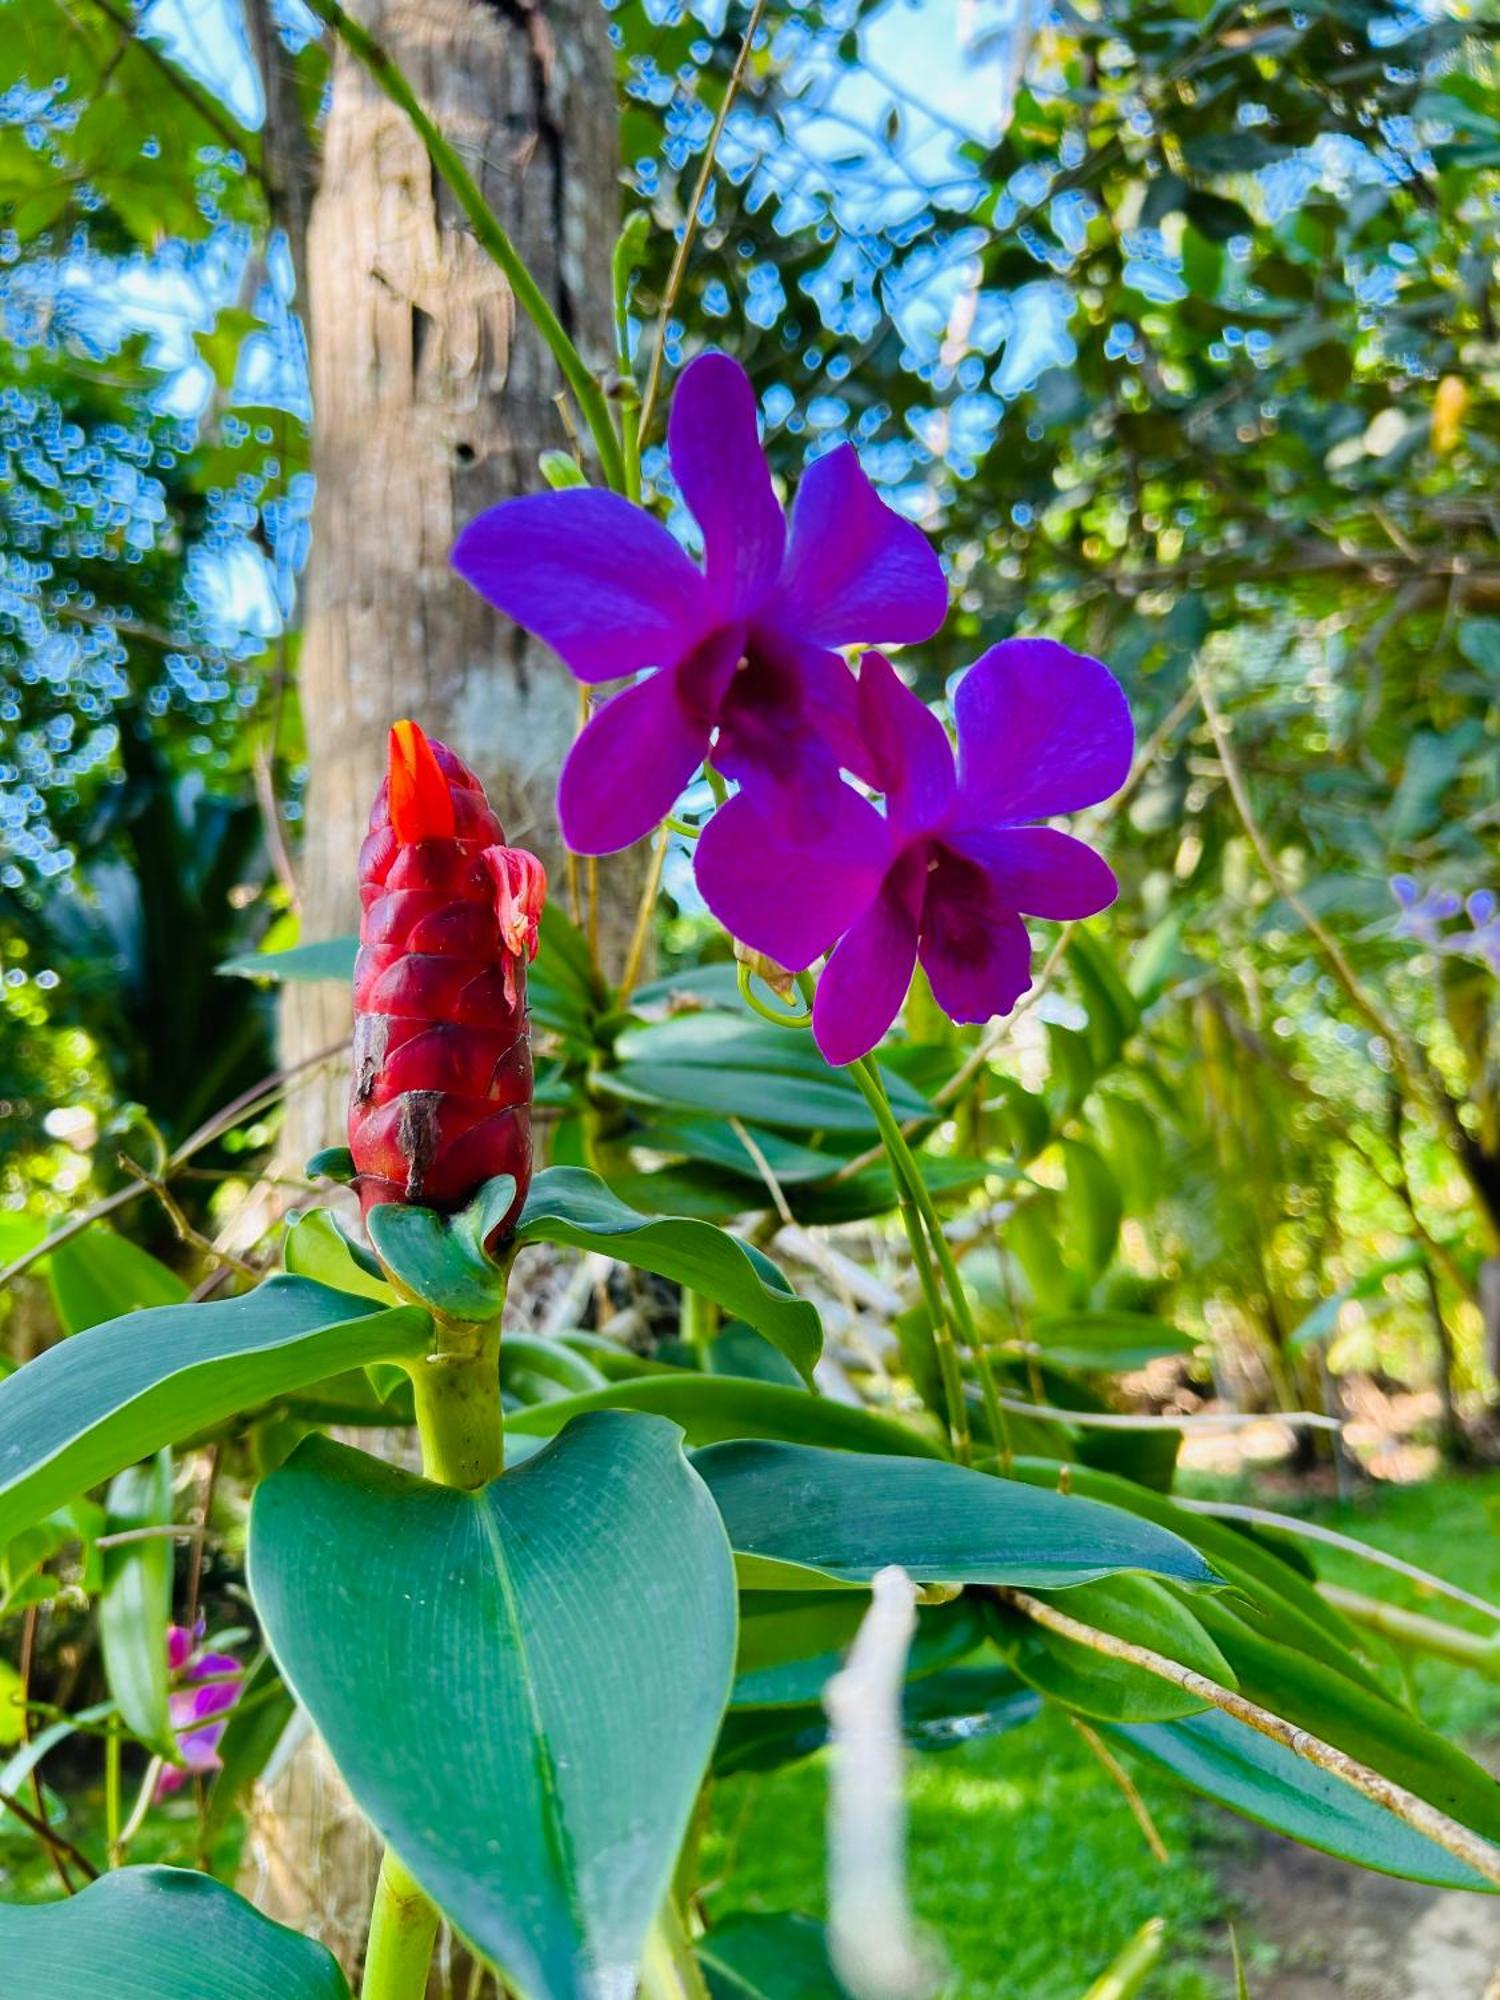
1423, 912
950, 869
744, 646
209, 1685
1482, 942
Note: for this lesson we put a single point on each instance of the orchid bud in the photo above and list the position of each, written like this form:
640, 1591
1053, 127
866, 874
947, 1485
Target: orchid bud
442, 1057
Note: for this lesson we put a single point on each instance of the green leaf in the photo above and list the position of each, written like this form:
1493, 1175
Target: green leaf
97, 1275
1091, 1208
1277, 1599
135, 1605
1233, 1763
316, 1247
140, 1933
747, 1069
329, 958
776, 1956
791, 1642
846, 1515
572, 1206
568, 1631
1316, 1696
441, 1258
1129, 1607
94, 1404
1103, 1341
711, 1408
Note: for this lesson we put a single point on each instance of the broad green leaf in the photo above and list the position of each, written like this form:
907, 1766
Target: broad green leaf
740, 1351
98, 1275
939, 1711
1103, 1341
328, 958
572, 1206
441, 1258
711, 1408
143, 1933
1275, 1598
135, 1605
792, 1642
847, 1514
568, 1632
94, 1404
1233, 1763
714, 1063
316, 1247
1091, 1207
775, 1956
1388, 1738
1129, 1607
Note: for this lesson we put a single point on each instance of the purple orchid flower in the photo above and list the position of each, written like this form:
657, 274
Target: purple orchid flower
947, 873
209, 1685
743, 647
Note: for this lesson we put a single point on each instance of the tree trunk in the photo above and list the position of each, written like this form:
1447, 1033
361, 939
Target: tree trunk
431, 401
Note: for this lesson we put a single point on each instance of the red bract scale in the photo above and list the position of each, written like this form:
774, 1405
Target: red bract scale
442, 1056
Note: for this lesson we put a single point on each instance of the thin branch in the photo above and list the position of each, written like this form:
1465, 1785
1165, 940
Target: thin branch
1478, 1650
690, 226
1314, 1531
256, 1098
59, 1843
1140, 1811
235, 137
635, 956
1100, 1420
1422, 1818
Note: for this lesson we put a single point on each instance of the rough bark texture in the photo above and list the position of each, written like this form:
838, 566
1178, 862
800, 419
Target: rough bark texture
431, 401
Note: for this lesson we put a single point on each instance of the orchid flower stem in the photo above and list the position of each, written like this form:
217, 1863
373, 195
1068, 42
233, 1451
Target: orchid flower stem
403, 1931
775, 1015
640, 936
491, 237
921, 1229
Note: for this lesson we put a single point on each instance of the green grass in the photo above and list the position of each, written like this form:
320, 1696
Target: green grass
1026, 1864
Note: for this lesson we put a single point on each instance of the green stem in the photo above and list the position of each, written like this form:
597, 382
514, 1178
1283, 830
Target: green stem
113, 1813
490, 235
670, 1968
1479, 1650
403, 1930
456, 1390
916, 1205
457, 1396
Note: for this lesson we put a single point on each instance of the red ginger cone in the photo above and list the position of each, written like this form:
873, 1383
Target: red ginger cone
442, 1057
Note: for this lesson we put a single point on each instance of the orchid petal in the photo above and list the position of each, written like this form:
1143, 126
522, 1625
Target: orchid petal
975, 951
910, 755
1041, 730
861, 988
629, 767
722, 472
787, 869
597, 580
856, 571
1040, 872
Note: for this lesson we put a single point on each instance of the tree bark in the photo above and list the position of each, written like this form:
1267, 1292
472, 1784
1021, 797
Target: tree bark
431, 401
